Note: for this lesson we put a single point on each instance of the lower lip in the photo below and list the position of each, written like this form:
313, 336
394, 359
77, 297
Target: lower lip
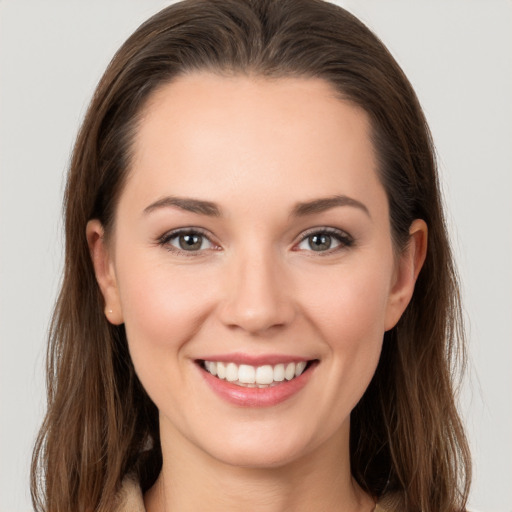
257, 397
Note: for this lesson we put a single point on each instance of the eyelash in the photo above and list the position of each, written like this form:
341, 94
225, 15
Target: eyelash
166, 238
343, 238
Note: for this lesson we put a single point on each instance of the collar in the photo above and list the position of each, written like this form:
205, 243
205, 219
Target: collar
129, 499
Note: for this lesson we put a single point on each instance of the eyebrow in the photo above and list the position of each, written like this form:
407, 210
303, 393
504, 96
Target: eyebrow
212, 210
187, 204
326, 203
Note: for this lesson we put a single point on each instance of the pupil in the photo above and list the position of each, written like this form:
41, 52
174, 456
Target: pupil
190, 242
320, 242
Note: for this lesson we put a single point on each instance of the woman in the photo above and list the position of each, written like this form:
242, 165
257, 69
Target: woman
259, 306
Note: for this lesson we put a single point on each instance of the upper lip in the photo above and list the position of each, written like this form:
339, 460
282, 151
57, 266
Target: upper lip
255, 360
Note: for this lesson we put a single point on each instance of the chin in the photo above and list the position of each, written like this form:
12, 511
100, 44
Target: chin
268, 448
255, 457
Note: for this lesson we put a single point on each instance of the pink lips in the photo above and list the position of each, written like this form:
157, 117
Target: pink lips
256, 397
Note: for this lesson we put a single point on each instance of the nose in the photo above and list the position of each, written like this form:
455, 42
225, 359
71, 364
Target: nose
258, 295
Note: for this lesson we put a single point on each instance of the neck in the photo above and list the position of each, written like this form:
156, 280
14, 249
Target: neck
192, 480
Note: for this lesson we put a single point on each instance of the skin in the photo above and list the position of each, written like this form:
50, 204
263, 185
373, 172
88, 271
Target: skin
256, 148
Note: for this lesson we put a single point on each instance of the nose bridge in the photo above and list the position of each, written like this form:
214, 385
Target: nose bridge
256, 292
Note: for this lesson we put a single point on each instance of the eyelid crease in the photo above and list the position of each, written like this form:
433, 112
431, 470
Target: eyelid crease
327, 230
187, 230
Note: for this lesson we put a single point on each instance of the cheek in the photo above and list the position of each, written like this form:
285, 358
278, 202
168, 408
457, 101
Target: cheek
162, 307
350, 304
349, 311
158, 299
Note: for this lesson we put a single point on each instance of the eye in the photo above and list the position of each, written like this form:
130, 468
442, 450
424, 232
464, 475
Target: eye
325, 240
186, 241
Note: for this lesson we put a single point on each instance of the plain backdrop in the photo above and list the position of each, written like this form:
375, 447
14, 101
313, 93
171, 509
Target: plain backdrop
458, 56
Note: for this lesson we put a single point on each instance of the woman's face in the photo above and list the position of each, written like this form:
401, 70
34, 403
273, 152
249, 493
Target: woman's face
252, 239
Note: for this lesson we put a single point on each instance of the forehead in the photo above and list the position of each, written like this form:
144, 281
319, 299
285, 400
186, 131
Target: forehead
204, 132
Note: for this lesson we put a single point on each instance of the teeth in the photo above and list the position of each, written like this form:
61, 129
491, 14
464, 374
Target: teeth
251, 376
264, 374
289, 372
231, 372
211, 367
221, 370
246, 374
278, 372
300, 368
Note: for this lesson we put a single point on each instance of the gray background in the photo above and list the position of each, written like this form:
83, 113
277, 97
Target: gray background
458, 55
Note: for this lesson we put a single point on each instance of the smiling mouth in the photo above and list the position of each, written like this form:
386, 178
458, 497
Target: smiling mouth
264, 376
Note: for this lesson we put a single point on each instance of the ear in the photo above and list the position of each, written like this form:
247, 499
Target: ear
104, 270
409, 265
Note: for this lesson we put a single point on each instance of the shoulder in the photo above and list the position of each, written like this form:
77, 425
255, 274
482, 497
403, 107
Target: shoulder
129, 498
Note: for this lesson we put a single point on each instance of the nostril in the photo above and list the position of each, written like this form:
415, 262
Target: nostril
257, 320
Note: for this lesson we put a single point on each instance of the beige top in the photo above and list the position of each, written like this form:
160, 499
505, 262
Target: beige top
130, 500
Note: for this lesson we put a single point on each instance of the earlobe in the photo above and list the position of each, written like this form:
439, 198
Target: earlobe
104, 270
409, 265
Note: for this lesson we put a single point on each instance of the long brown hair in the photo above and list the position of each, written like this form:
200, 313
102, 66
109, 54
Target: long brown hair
406, 435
